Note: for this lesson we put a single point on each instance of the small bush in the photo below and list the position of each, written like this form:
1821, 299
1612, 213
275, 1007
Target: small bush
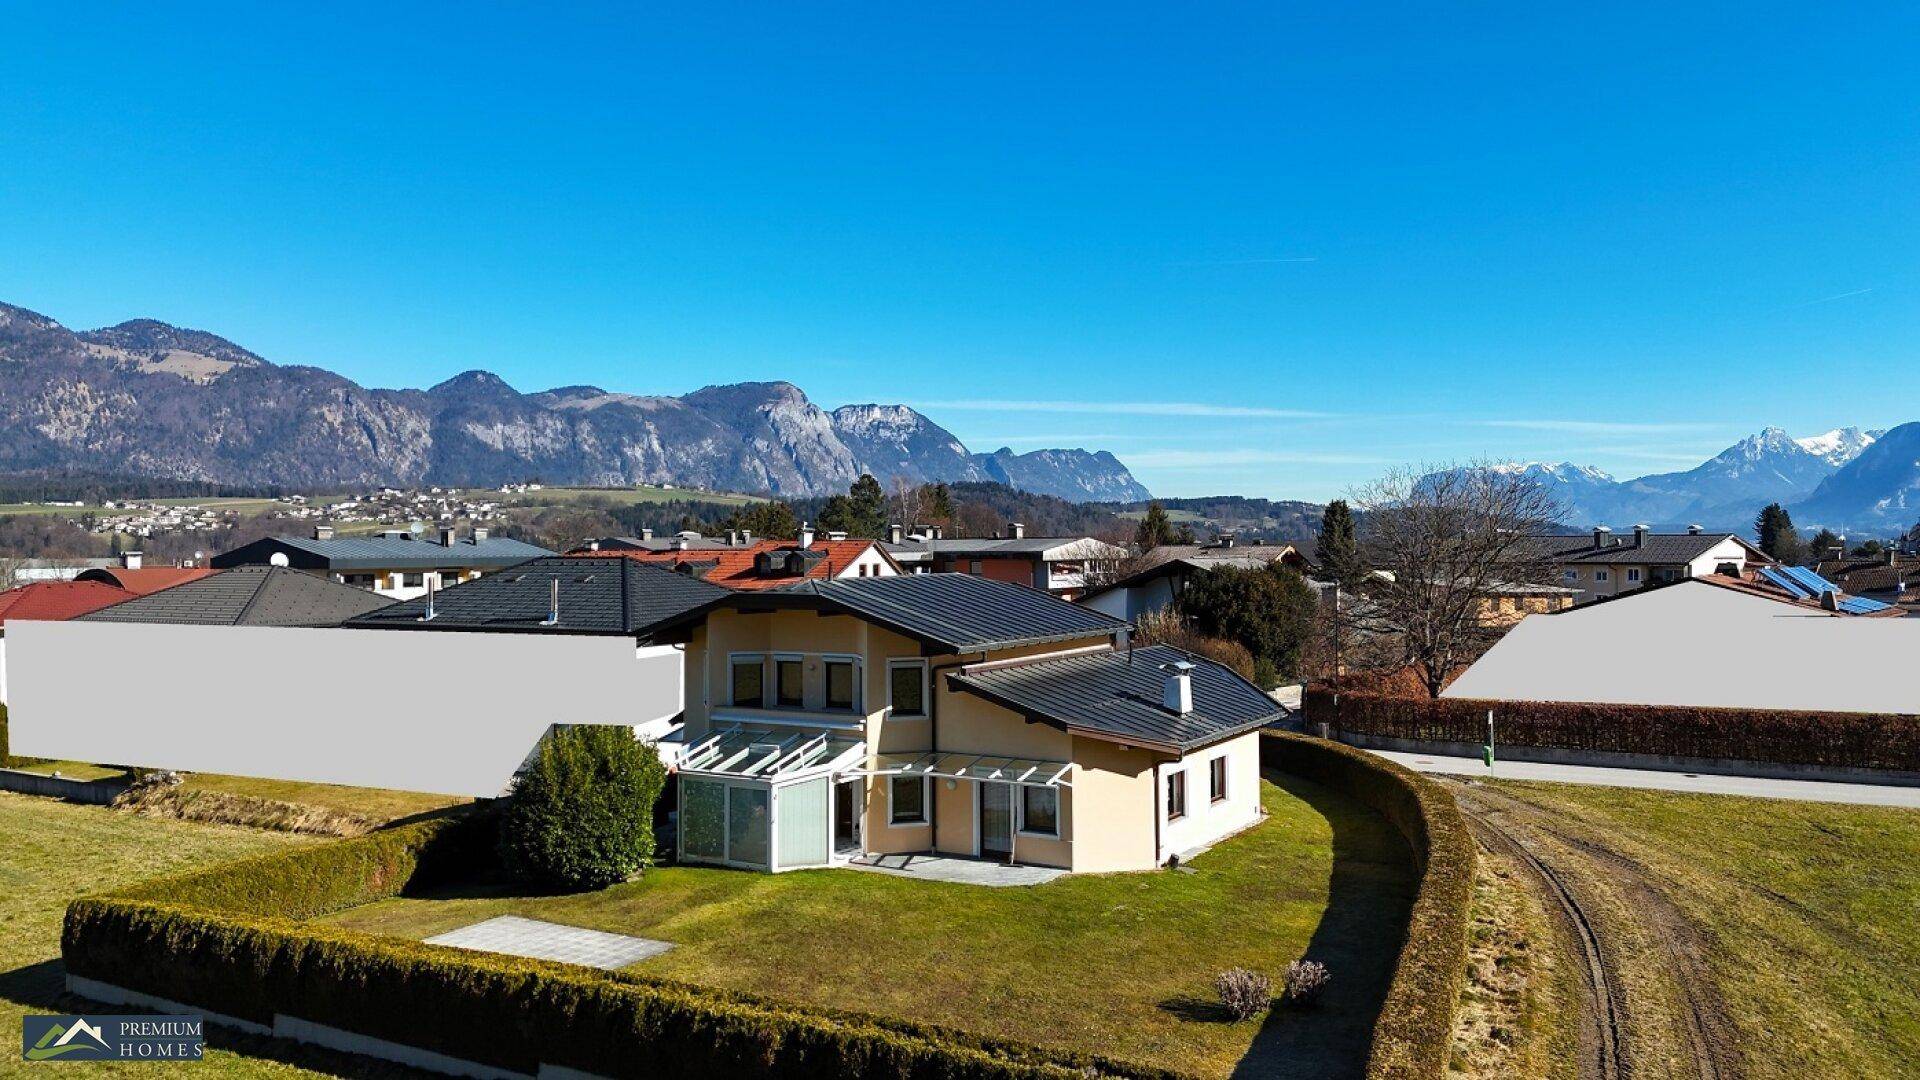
1305, 980
1246, 994
581, 815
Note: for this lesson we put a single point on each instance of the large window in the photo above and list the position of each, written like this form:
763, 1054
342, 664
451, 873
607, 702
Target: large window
1040, 810
907, 688
1217, 778
843, 684
789, 682
749, 825
1176, 795
906, 800
749, 675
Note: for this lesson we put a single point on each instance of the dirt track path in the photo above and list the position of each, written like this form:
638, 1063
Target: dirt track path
1651, 1008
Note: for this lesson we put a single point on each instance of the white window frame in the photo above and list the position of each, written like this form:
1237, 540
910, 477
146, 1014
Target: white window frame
1214, 798
859, 676
926, 804
738, 657
1020, 811
926, 688
1633, 575
1600, 575
773, 682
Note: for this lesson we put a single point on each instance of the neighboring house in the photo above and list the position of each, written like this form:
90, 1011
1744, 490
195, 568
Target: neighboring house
224, 684
1708, 641
51, 601
1162, 574
393, 563
774, 564
1600, 564
1509, 603
948, 714
1892, 577
1054, 564
685, 540
247, 596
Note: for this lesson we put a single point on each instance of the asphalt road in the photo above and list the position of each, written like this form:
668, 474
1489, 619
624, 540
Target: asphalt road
1659, 780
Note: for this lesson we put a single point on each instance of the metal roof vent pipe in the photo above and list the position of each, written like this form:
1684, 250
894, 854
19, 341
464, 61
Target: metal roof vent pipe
553, 604
430, 591
1176, 694
1829, 600
1639, 536
806, 535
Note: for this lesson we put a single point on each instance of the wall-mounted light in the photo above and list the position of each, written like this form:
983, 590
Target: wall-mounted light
952, 783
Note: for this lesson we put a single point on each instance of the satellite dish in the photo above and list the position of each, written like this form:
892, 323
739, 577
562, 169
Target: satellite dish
278, 558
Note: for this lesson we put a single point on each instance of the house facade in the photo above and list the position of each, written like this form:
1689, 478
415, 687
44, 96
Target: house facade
953, 715
1599, 564
768, 564
1054, 564
1165, 571
393, 564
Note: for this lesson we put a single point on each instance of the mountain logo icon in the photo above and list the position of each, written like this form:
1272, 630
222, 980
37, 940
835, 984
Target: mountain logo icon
78, 1041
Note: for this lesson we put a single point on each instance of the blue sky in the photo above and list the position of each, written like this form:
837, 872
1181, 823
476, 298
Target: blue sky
1261, 250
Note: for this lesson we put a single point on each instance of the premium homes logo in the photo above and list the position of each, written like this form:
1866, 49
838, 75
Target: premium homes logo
111, 1038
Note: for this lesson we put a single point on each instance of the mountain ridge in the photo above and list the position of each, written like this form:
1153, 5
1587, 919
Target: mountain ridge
146, 398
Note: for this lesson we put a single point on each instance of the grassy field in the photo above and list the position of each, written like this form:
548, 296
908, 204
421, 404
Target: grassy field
243, 504
621, 496
1122, 964
377, 803
1811, 913
52, 852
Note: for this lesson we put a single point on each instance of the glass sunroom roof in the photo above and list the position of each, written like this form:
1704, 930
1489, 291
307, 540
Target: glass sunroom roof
973, 767
765, 753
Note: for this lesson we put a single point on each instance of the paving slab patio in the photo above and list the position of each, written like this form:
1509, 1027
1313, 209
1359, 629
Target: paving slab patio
950, 868
539, 940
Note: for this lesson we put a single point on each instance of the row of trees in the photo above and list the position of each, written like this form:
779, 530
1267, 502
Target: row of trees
1774, 534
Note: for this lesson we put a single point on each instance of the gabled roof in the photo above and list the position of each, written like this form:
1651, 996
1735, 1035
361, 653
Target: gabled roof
1029, 547
248, 596
57, 601
733, 567
1860, 574
146, 579
1657, 548
386, 553
953, 612
1115, 694
1170, 559
605, 594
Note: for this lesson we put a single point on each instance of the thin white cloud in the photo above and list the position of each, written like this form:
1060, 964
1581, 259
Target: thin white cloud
1598, 427
1836, 296
1122, 408
1272, 261
1214, 459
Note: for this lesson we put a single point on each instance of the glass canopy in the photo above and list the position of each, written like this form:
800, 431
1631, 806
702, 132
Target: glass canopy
953, 766
766, 754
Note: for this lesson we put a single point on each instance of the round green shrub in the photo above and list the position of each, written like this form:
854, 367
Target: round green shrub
580, 815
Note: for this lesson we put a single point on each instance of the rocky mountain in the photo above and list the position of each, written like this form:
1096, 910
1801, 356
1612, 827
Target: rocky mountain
1879, 490
1840, 445
152, 400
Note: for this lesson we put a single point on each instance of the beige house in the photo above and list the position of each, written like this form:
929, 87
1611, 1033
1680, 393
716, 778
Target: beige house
944, 713
1599, 564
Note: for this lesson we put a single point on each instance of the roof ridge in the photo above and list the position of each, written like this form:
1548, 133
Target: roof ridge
240, 617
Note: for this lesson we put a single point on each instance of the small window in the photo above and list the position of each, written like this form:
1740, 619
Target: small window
789, 684
907, 688
1176, 795
841, 684
1600, 575
973, 567
749, 681
907, 800
413, 581
1633, 573
1570, 575
1217, 778
1040, 810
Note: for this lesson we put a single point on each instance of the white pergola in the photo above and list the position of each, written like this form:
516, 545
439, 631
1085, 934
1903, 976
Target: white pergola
1029, 772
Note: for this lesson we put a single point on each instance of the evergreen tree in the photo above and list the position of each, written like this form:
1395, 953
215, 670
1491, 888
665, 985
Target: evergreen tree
580, 815
1338, 547
1156, 529
861, 512
1269, 609
1822, 545
765, 520
1774, 530
936, 504
1184, 534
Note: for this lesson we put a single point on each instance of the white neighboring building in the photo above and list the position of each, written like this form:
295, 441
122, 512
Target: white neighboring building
1704, 642
1599, 564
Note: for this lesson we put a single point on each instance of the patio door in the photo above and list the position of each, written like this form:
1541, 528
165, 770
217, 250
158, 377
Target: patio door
846, 815
996, 820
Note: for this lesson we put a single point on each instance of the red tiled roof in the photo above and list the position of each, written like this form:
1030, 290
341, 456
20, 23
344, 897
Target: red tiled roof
145, 580
57, 601
733, 567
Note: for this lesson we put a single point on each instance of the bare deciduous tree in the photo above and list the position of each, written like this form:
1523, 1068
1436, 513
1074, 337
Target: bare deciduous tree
1445, 544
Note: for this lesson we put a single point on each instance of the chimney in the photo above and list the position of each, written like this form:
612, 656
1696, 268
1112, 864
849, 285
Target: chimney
593, 545
681, 543
1602, 536
746, 537
1639, 536
1176, 694
1893, 555
1694, 530
446, 536
1829, 600
323, 532
1016, 530
646, 534
895, 534
1227, 538
733, 537
130, 560
480, 535
837, 534
806, 535
939, 532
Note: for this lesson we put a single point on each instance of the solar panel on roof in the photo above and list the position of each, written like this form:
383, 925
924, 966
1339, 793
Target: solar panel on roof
1791, 584
1859, 605
1810, 580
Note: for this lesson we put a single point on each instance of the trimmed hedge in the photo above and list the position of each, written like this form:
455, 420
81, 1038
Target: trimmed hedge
1412, 1036
226, 940
1782, 737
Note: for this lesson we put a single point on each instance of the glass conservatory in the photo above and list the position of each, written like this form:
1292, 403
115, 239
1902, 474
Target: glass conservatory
763, 799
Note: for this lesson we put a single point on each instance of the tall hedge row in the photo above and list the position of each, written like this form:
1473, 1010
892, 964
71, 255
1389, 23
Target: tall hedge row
1412, 1035
1849, 740
227, 940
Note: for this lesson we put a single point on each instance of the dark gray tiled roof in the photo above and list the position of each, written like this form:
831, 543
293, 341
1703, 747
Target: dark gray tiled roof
248, 596
1657, 548
960, 612
1116, 694
387, 553
598, 595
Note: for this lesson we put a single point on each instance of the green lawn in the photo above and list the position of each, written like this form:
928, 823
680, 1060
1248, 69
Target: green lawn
560, 496
52, 852
378, 804
1811, 912
1121, 964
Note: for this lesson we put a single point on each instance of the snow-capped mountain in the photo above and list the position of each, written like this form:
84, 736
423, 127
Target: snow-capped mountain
1878, 490
1840, 445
